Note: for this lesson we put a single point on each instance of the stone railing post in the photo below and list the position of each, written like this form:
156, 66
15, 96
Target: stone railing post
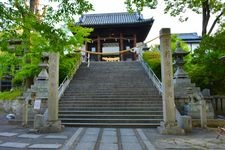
168, 126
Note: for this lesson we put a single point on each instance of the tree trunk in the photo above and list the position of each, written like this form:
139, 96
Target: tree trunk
33, 8
215, 21
32, 5
205, 16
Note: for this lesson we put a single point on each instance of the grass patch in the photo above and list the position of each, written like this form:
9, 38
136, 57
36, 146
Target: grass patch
10, 95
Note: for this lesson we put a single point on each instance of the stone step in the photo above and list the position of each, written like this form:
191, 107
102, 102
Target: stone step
110, 120
108, 105
110, 92
112, 98
90, 101
112, 112
120, 96
131, 108
116, 94
112, 125
112, 116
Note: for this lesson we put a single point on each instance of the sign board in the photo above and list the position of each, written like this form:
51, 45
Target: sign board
37, 104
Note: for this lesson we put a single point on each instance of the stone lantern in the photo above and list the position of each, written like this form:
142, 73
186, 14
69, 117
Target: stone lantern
43, 75
187, 96
179, 55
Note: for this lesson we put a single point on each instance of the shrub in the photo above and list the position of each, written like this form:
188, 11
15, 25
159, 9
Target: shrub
152, 58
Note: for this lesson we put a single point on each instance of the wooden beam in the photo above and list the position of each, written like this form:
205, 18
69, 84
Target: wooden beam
134, 45
135, 39
121, 46
98, 47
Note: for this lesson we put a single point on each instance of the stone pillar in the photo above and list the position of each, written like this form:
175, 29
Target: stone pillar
168, 126
203, 113
53, 124
25, 113
53, 87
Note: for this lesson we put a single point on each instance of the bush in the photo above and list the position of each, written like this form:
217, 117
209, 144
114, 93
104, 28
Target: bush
152, 58
67, 65
10, 95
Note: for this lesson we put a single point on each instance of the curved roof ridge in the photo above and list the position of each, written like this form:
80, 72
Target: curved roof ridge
112, 18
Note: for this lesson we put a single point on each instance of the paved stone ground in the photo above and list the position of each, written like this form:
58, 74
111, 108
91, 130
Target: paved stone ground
15, 137
198, 139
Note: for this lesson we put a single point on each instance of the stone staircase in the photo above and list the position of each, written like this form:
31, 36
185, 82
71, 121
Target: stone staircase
111, 94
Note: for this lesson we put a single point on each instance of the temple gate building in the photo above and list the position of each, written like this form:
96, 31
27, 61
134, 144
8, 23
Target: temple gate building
115, 32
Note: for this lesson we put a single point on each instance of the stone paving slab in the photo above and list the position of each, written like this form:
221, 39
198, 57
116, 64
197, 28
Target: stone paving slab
14, 145
109, 139
89, 138
108, 146
85, 146
56, 137
32, 136
129, 139
93, 131
131, 146
109, 132
145, 140
45, 146
8, 134
127, 132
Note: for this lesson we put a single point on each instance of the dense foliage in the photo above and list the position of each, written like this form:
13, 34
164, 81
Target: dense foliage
152, 57
10, 95
27, 30
68, 65
206, 67
207, 8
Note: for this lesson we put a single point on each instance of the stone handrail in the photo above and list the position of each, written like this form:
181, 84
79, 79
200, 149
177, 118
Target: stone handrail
63, 86
218, 102
151, 75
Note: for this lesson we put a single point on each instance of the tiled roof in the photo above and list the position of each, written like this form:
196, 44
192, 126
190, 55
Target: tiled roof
112, 18
192, 35
189, 37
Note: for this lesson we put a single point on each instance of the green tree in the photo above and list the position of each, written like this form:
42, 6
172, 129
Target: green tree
206, 8
138, 5
37, 32
207, 70
152, 57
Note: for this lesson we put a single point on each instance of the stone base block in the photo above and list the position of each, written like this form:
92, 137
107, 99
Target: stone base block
185, 122
170, 128
51, 127
39, 121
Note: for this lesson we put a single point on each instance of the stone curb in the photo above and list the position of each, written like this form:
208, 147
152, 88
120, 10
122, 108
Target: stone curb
69, 144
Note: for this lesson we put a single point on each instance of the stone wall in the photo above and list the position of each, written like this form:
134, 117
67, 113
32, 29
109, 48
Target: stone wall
10, 106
